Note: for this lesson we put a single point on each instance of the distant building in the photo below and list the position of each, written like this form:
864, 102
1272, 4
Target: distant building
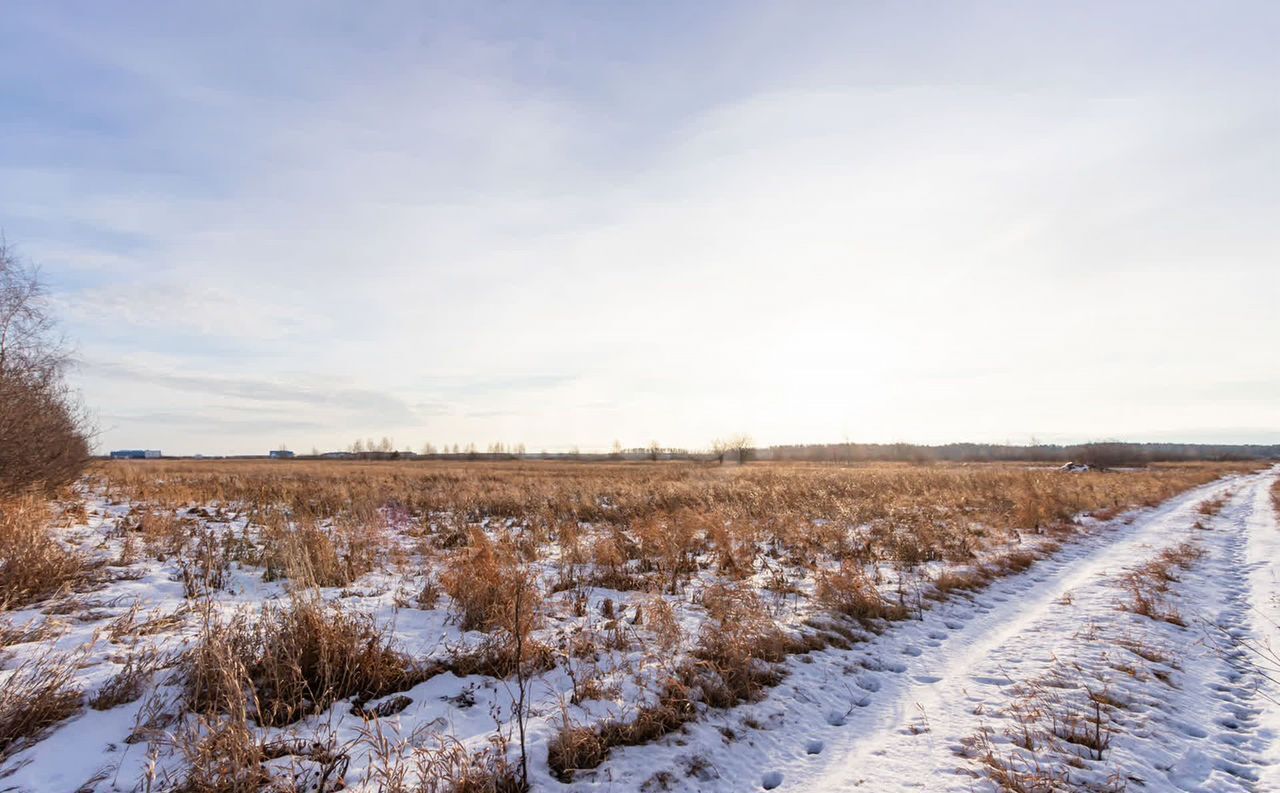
135, 454
280, 454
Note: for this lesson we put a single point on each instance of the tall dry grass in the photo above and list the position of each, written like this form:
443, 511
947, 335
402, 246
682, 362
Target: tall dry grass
33, 564
34, 697
294, 660
498, 538
650, 525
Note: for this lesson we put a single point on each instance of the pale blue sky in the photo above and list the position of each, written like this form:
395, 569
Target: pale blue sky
561, 224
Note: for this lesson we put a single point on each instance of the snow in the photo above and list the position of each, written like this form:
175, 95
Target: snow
912, 708
899, 712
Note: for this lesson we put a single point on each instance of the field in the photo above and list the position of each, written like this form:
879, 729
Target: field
435, 626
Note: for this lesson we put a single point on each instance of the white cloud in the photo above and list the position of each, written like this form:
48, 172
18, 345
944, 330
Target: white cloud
964, 227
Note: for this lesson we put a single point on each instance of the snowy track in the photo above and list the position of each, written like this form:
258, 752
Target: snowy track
895, 713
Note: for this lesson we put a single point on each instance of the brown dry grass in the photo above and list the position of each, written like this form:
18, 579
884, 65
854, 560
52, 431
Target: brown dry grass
34, 697
293, 661
849, 591
930, 500
482, 580
33, 564
623, 526
741, 540
1148, 584
438, 764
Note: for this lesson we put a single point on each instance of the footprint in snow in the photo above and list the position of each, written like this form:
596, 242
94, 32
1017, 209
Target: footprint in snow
771, 780
867, 683
1192, 731
911, 650
814, 746
1236, 770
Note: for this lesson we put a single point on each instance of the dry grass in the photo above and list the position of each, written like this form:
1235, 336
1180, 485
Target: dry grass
1148, 584
438, 764
671, 507
849, 591
129, 684
482, 580
309, 554
737, 647
577, 748
293, 661
33, 564
34, 697
511, 543
1055, 722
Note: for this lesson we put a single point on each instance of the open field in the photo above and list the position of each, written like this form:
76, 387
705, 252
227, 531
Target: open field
236, 626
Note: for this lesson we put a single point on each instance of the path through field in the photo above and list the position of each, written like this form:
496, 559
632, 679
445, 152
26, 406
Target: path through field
901, 712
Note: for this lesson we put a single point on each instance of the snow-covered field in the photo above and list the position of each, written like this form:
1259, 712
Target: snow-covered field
1185, 708
1048, 678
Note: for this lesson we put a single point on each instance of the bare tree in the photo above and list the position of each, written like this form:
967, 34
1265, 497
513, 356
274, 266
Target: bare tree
740, 445
43, 430
719, 449
28, 344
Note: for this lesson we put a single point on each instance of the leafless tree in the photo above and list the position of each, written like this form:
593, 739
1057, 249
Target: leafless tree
739, 445
43, 430
28, 344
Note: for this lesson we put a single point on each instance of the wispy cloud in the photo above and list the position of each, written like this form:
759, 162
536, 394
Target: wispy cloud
563, 226
209, 421
315, 393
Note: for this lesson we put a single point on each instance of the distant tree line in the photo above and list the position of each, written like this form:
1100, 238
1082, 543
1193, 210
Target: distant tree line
1103, 455
738, 448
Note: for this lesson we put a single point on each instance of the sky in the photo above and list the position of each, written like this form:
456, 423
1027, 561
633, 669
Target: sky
565, 224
